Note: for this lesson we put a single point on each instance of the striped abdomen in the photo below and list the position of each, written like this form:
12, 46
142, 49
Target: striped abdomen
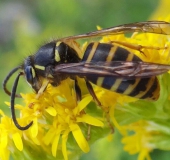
143, 88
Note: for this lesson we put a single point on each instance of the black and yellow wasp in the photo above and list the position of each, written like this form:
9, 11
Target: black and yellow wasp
104, 64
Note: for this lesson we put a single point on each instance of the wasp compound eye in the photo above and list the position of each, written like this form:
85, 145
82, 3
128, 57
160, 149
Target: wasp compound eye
30, 74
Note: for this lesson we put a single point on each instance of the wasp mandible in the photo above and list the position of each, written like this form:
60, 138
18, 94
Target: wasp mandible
104, 64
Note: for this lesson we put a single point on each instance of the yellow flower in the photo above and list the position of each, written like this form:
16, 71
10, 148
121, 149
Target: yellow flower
138, 140
55, 115
10, 137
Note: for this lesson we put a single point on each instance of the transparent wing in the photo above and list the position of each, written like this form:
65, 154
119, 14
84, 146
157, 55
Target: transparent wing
119, 69
158, 27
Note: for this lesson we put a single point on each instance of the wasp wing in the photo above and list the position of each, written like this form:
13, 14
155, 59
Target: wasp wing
158, 27
119, 69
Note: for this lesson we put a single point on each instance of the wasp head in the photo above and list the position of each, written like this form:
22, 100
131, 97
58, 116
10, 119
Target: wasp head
36, 67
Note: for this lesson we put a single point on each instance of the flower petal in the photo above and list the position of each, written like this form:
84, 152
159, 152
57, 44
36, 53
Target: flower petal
51, 111
90, 120
8, 103
84, 102
17, 141
144, 154
55, 145
49, 136
5, 154
79, 137
3, 139
2, 113
64, 147
34, 128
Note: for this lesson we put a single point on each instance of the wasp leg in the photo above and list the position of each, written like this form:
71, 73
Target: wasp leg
43, 87
88, 132
77, 90
91, 91
109, 122
137, 46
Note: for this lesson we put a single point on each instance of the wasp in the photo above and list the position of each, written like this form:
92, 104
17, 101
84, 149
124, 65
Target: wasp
103, 64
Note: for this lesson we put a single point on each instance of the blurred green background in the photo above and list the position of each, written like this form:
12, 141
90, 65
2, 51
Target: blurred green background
26, 25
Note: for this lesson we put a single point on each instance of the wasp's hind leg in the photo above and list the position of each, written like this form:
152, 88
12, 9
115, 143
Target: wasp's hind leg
137, 47
91, 91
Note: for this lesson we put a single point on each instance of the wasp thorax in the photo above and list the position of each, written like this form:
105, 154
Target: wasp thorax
65, 54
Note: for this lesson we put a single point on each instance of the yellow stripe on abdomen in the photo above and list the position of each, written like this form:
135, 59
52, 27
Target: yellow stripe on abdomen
91, 54
116, 84
111, 54
131, 87
100, 81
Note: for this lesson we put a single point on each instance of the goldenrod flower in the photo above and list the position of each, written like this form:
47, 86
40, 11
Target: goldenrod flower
10, 137
56, 114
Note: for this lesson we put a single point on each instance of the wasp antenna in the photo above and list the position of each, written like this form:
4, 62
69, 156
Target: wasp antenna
7, 79
13, 102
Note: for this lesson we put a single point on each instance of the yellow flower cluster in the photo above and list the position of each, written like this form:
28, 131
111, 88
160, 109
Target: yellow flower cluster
55, 114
